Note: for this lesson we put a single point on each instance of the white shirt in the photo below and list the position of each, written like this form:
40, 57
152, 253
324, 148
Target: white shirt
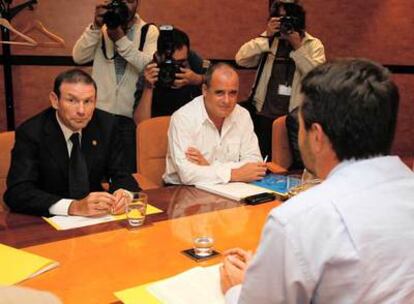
191, 126
347, 240
61, 207
116, 97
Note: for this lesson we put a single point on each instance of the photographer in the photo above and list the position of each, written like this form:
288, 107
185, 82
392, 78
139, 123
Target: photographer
284, 54
171, 80
120, 44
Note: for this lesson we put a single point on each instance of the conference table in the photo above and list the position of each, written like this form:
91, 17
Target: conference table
96, 261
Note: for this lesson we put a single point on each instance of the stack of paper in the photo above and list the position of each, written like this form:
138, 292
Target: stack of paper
199, 285
18, 265
60, 222
236, 191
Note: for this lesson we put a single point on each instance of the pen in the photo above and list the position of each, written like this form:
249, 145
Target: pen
265, 159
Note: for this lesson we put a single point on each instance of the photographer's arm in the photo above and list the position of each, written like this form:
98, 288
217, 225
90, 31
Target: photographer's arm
250, 53
129, 49
143, 110
187, 77
310, 54
85, 48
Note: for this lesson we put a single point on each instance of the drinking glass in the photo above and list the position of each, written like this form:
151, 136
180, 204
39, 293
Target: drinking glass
136, 209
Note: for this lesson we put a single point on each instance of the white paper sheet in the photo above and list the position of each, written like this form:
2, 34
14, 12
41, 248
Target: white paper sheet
199, 285
70, 222
235, 191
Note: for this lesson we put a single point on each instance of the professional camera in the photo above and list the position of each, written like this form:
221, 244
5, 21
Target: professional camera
289, 24
116, 14
168, 67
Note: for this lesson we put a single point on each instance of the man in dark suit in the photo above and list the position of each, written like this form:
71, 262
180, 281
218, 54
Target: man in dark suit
62, 155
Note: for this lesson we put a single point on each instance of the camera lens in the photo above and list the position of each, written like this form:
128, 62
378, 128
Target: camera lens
116, 14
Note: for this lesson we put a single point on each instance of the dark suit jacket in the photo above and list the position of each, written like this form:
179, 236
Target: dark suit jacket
38, 175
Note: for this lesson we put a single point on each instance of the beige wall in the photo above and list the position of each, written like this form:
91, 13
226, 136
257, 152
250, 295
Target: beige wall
380, 30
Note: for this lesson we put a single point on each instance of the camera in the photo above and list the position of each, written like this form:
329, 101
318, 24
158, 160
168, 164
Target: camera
117, 14
289, 24
168, 67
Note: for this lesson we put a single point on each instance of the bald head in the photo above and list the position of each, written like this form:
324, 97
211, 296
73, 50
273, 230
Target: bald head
225, 70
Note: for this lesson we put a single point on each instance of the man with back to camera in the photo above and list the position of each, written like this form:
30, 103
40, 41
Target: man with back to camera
349, 239
61, 156
120, 44
284, 53
211, 139
157, 96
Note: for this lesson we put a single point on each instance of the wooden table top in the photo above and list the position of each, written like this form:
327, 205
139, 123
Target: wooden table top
99, 260
20, 230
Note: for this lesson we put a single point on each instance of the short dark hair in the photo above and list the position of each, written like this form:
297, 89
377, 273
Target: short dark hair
212, 68
179, 39
72, 76
356, 103
294, 9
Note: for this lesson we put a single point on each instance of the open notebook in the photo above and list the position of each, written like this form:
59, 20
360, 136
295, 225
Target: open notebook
18, 265
199, 285
237, 191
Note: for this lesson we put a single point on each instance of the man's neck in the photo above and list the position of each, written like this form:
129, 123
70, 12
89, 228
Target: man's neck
218, 123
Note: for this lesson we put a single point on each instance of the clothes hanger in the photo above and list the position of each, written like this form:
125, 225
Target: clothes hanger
38, 26
29, 41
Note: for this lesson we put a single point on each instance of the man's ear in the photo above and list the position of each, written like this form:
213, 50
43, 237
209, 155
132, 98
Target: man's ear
54, 100
204, 88
318, 141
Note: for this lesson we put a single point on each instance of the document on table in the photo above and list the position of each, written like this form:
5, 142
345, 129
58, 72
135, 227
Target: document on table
199, 285
69, 222
234, 190
18, 265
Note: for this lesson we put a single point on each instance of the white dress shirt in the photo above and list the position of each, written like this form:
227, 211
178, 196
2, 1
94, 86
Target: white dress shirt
61, 207
347, 240
231, 148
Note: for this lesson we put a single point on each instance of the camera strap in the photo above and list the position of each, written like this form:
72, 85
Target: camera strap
103, 47
144, 31
260, 70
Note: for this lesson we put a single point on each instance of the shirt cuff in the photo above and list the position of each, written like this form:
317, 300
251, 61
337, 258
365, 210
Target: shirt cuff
296, 54
61, 207
223, 172
232, 295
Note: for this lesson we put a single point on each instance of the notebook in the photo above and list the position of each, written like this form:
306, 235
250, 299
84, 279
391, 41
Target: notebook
18, 265
199, 285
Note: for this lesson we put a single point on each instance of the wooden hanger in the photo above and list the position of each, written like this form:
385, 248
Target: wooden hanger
38, 26
7, 25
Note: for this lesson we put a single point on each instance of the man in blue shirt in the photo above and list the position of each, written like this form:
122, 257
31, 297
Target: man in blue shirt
349, 239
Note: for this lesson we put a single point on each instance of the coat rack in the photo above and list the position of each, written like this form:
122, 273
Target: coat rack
9, 13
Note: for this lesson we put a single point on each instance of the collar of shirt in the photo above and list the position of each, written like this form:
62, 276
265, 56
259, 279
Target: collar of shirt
340, 166
228, 121
67, 133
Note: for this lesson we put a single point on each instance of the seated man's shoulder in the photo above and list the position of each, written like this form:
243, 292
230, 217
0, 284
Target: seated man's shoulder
307, 205
36, 123
105, 119
189, 111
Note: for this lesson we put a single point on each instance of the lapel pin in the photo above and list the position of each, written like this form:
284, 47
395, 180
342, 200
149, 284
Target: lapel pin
94, 143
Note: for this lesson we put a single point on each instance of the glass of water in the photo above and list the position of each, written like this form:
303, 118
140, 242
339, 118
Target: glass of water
203, 245
137, 208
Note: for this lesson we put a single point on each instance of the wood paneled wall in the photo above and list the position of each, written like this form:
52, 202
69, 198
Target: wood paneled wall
379, 30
